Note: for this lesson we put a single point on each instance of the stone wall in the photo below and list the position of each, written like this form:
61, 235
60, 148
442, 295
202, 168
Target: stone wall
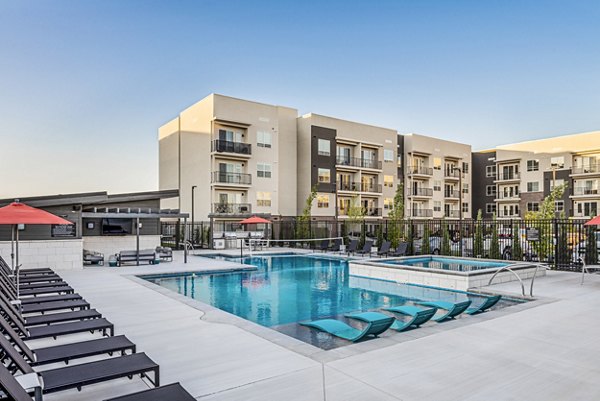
57, 254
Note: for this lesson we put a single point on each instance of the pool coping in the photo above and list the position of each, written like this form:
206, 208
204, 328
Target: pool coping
215, 315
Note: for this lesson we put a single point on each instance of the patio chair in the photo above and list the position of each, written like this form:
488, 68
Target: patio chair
9, 287
66, 352
14, 389
400, 250
336, 246
93, 258
366, 250
487, 304
324, 245
417, 316
55, 306
84, 374
452, 309
352, 247
164, 253
384, 249
377, 324
171, 392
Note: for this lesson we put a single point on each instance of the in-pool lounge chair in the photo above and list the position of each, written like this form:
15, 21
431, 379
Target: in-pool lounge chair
452, 309
84, 374
417, 316
384, 249
170, 392
366, 250
400, 250
352, 247
377, 324
487, 304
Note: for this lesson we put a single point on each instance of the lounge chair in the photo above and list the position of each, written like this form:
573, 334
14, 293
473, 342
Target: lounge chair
164, 253
84, 374
66, 352
352, 247
14, 389
377, 324
336, 246
170, 392
93, 258
400, 250
384, 249
54, 306
324, 245
417, 315
366, 250
44, 278
46, 290
452, 309
487, 304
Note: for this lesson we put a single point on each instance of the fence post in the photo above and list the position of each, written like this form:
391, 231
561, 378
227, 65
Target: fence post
556, 239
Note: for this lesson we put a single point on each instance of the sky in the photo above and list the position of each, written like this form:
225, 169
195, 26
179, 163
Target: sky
84, 85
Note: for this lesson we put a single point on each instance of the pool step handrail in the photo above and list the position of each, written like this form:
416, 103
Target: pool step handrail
508, 268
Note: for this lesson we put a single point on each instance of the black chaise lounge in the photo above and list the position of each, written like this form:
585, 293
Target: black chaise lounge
352, 247
384, 249
401, 249
10, 287
13, 389
336, 246
366, 250
83, 374
170, 392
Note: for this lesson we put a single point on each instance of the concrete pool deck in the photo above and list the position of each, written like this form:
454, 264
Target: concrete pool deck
541, 350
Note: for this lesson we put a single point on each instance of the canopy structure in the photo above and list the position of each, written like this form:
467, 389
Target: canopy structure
594, 222
19, 213
255, 220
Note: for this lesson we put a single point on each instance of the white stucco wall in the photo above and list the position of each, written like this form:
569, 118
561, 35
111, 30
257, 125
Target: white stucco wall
109, 245
57, 254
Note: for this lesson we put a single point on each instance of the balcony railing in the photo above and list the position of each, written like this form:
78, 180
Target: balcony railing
421, 170
348, 186
510, 195
231, 178
592, 168
358, 162
232, 208
508, 176
368, 187
579, 191
421, 192
373, 212
453, 194
219, 145
452, 213
422, 213
452, 173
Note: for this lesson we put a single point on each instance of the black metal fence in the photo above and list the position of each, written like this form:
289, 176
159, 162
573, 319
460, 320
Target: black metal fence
563, 243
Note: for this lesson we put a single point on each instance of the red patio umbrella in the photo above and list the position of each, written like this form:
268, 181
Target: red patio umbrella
255, 220
593, 222
19, 213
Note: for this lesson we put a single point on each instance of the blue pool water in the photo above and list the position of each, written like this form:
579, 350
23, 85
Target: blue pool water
433, 262
285, 290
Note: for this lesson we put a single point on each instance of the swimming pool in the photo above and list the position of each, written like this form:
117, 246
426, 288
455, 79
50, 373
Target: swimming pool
285, 290
453, 264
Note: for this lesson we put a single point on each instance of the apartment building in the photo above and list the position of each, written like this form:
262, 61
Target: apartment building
233, 157
517, 177
349, 163
437, 176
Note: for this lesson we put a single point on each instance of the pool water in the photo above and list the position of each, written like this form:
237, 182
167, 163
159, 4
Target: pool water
460, 265
285, 290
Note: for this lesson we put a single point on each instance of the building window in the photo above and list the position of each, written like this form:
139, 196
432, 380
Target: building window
388, 155
437, 163
388, 181
324, 147
557, 162
437, 206
399, 160
465, 207
558, 182
230, 135
263, 170
263, 139
490, 171
533, 206
533, 165
324, 175
322, 201
559, 206
533, 186
388, 203
465, 168
263, 199
437, 185
490, 208
490, 190
465, 188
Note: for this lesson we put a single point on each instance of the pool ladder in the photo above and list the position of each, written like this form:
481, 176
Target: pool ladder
508, 268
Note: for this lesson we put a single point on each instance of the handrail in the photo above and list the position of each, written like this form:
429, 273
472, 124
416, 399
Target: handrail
508, 268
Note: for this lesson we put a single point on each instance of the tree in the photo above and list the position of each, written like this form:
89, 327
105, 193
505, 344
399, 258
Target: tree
426, 245
495, 242
445, 247
356, 216
478, 240
563, 256
303, 221
379, 235
396, 215
591, 247
517, 250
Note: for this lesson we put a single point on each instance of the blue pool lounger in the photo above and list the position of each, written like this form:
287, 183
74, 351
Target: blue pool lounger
418, 316
377, 324
452, 309
487, 304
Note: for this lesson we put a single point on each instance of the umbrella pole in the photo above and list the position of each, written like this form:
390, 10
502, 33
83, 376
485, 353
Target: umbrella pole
17, 266
12, 248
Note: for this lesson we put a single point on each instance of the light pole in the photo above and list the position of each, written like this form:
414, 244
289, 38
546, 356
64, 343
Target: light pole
193, 188
460, 209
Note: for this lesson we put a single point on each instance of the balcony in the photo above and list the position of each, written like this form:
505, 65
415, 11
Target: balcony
452, 213
348, 186
452, 173
358, 162
423, 192
422, 213
583, 191
589, 169
239, 148
420, 170
500, 196
231, 178
508, 177
452, 194
368, 187
372, 211
232, 208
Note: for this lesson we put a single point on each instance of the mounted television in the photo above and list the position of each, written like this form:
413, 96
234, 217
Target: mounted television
117, 226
